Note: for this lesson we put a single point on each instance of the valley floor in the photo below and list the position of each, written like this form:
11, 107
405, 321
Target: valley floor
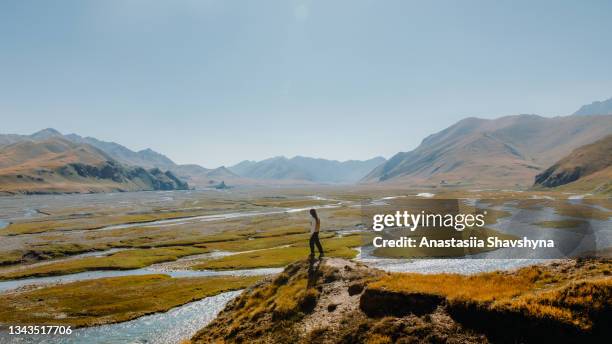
180, 250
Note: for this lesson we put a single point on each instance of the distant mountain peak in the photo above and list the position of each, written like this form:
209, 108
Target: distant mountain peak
45, 134
48, 130
222, 172
596, 108
73, 136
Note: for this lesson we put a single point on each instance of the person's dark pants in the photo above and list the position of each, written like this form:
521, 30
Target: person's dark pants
314, 240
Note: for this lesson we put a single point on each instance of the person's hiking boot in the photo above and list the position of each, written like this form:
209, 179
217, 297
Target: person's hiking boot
321, 256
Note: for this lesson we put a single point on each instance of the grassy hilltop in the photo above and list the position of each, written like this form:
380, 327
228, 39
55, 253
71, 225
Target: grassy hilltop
340, 301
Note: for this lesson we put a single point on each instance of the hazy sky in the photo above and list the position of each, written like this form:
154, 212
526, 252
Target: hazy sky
216, 82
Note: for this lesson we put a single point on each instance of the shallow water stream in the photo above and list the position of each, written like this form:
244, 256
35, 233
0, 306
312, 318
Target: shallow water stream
177, 324
89, 275
182, 322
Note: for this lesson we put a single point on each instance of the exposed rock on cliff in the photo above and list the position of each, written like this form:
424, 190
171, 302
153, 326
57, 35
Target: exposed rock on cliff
57, 165
591, 159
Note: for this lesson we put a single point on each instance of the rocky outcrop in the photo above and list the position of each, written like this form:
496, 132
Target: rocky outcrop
329, 302
341, 301
553, 177
381, 303
295, 305
153, 179
166, 181
583, 161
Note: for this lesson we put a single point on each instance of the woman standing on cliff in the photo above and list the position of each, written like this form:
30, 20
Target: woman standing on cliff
315, 225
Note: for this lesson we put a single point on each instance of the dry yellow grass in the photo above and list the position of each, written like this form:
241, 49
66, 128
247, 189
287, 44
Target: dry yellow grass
281, 256
483, 287
572, 302
109, 300
379, 339
288, 203
91, 222
568, 209
124, 260
568, 294
285, 299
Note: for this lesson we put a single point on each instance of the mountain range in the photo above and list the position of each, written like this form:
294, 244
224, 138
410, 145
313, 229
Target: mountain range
280, 170
308, 169
146, 158
270, 171
596, 108
508, 151
504, 152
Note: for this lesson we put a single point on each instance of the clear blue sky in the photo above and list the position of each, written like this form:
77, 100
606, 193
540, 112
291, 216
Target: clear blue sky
216, 82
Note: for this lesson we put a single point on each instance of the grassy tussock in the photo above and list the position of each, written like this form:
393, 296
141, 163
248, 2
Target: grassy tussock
281, 256
292, 297
289, 203
244, 244
377, 338
281, 231
562, 224
272, 306
123, 260
581, 211
355, 213
109, 300
11, 257
48, 250
90, 222
568, 209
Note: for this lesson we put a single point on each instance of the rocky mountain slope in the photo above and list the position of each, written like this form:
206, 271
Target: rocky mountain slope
341, 301
147, 158
589, 165
507, 151
307, 169
55, 165
596, 108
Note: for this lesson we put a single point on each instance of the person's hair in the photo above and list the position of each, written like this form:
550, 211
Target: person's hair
313, 213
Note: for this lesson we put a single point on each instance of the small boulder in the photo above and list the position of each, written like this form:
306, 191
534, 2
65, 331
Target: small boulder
355, 288
380, 303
